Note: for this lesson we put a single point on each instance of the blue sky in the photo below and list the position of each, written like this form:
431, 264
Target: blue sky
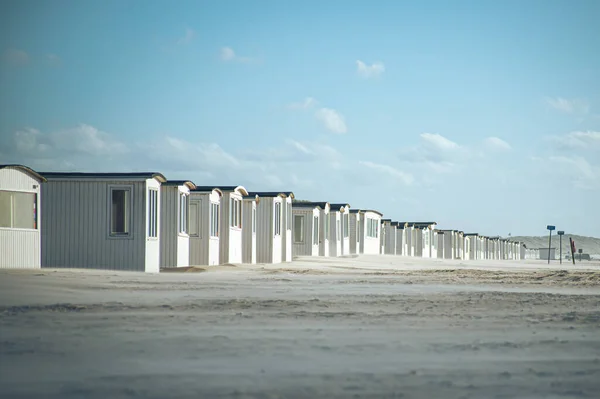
483, 116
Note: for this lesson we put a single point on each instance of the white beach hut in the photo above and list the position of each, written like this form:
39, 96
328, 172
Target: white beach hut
230, 240
424, 239
370, 226
306, 222
101, 220
269, 227
175, 219
20, 199
337, 231
249, 251
205, 226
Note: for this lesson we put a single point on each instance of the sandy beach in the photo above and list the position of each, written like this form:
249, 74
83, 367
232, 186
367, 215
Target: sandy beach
357, 327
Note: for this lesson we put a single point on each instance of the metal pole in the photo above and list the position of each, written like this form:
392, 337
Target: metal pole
549, 245
560, 240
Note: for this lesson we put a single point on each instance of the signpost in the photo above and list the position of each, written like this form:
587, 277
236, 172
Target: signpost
550, 228
572, 249
580, 250
560, 234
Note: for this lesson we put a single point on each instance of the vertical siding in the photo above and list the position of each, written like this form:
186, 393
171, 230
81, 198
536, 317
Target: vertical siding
268, 245
248, 236
75, 226
306, 247
323, 239
20, 248
352, 236
399, 241
169, 198
390, 239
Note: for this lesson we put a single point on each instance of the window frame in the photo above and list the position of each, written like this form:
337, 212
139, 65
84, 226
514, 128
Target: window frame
277, 219
316, 220
215, 217
12, 208
195, 202
302, 232
121, 236
153, 198
183, 209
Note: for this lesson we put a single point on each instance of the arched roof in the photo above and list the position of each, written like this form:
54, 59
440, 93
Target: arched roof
110, 175
188, 183
25, 169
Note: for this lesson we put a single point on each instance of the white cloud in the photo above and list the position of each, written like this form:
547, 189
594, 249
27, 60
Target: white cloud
569, 106
187, 37
589, 140
300, 147
404, 177
497, 143
369, 71
15, 57
439, 141
228, 55
332, 120
308, 102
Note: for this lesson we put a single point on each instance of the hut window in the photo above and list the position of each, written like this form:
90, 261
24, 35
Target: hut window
153, 213
195, 218
372, 228
18, 210
357, 229
337, 229
120, 211
327, 223
289, 216
253, 220
214, 219
183, 213
235, 213
299, 229
315, 230
277, 218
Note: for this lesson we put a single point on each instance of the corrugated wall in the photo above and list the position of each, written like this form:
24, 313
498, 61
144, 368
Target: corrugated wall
399, 241
353, 233
20, 248
304, 248
248, 235
168, 228
75, 226
335, 244
204, 249
264, 230
390, 239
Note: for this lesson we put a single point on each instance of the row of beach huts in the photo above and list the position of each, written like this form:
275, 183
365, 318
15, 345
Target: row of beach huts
144, 222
